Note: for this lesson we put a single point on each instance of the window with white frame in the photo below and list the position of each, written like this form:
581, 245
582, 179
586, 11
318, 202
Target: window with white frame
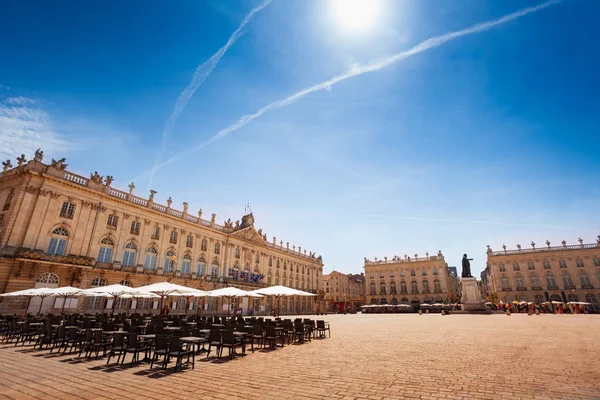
126, 283
67, 210
516, 267
562, 263
58, 242
129, 255
535, 282
437, 287
519, 282
579, 263
173, 237
113, 221
504, 282
214, 270
135, 228
105, 251
585, 279
169, 261
217, 248
98, 282
155, 233
551, 281
201, 267
186, 264
204, 245
237, 252
566, 278
150, 261
189, 241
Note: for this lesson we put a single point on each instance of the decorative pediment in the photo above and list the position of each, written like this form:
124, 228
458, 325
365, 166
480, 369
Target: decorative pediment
249, 234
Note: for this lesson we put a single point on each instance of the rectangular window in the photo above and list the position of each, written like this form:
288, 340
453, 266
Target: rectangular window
502, 268
563, 263
155, 233
185, 267
113, 220
67, 210
189, 243
150, 262
173, 237
516, 267
580, 263
217, 248
204, 245
546, 265
128, 258
57, 247
135, 228
105, 255
530, 266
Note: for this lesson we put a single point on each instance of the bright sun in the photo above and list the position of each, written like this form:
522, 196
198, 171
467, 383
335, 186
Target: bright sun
354, 14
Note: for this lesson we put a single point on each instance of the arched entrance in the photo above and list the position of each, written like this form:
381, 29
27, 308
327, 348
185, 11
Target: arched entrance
49, 280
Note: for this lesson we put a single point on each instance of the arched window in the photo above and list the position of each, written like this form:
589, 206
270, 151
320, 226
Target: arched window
97, 282
566, 278
437, 287
150, 261
170, 260
383, 300
403, 287
373, 301
550, 281
404, 300
372, 289
201, 267
572, 297
533, 279
394, 300
48, 278
214, 269
504, 282
105, 252
425, 286
539, 299
129, 255
585, 279
204, 245
590, 298
519, 282
58, 242
125, 283
393, 287
413, 287
556, 297
186, 264
217, 248
381, 287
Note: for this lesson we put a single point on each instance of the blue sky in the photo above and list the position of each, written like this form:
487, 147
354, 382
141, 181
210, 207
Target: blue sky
488, 138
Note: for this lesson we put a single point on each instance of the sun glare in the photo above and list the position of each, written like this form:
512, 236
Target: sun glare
355, 14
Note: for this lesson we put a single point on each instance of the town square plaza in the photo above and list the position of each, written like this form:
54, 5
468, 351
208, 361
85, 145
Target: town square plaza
375, 356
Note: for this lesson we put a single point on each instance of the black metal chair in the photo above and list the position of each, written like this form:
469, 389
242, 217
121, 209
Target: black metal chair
176, 350
214, 339
118, 347
135, 347
322, 328
161, 349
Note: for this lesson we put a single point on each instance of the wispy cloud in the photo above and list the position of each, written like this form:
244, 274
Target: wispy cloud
373, 66
202, 72
25, 127
467, 221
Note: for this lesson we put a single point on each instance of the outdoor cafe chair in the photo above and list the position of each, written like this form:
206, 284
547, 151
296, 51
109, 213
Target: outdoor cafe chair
135, 347
176, 350
214, 339
100, 342
73, 339
118, 346
322, 327
161, 349
86, 343
271, 336
59, 339
230, 341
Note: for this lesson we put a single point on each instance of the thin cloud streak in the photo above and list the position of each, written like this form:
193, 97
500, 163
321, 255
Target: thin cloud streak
374, 65
202, 72
466, 221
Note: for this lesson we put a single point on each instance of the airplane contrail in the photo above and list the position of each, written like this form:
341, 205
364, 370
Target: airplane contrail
202, 72
466, 221
374, 65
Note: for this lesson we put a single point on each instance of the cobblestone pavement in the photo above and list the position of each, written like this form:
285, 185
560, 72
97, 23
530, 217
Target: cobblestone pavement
367, 357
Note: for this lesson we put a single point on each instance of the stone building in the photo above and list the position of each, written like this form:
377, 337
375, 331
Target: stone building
343, 292
410, 280
549, 273
58, 228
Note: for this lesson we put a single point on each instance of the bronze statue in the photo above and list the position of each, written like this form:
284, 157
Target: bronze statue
466, 267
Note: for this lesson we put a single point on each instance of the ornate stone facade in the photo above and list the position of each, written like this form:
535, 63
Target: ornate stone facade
544, 273
343, 292
410, 280
52, 220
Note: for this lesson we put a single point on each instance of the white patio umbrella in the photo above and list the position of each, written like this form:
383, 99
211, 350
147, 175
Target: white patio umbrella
230, 293
30, 293
281, 291
139, 295
114, 291
190, 295
65, 292
164, 289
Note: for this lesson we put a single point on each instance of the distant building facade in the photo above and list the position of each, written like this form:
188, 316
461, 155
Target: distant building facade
410, 280
547, 273
58, 228
343, 292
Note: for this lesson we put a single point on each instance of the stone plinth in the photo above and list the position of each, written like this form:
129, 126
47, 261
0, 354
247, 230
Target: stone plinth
471, 296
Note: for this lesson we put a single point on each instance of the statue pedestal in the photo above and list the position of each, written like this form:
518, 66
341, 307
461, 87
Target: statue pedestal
471, 296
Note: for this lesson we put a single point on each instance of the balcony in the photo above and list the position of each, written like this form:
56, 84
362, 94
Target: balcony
587, 286
437, 291
569, 287
506, 289
426, 291
100, 265
554, 287
521, 288
536, 288
39, 255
